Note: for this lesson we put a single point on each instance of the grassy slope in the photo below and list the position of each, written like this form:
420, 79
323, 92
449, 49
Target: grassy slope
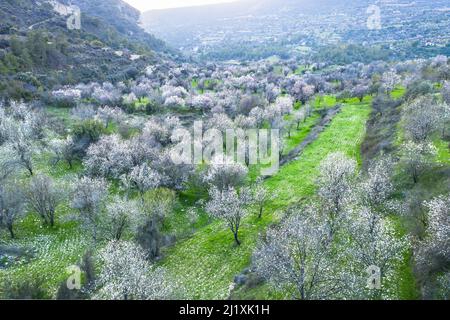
206, 263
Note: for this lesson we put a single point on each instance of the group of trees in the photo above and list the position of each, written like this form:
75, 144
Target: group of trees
325, 250
423, 117
127, 182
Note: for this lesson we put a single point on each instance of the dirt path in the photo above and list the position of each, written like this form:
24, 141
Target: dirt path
312, 136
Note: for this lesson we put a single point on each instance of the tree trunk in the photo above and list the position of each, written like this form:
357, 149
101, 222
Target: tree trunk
236, 238
52, 219
11, 232
260, 212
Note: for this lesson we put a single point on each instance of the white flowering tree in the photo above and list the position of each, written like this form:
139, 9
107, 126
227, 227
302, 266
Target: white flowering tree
88, 199
11, 206
229, 205
127, 275
376, 186
296, 258
437, 241
204, 102
83, 112
285, 104
43, 197
107, 115
261, 196
64, 150
21, 150
373, 245
120, 216
417, 157
142, 179
66, 97
224, 173
303, 91
221, 122
422, 118
334, 183
445, 91
389, 80
443, 117
109, 157
258, 114
360, 91
299, 117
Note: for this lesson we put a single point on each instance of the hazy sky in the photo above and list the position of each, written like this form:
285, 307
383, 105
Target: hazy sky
145, 5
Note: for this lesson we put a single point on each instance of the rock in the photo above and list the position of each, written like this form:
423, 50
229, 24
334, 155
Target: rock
240, 279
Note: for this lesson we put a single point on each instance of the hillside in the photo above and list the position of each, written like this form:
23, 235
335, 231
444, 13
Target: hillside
128, 172
38, 50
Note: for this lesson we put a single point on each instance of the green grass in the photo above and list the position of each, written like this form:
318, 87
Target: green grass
205, 259
443, 150
398, 92
324, 101
297, 136
206, 263
54, 249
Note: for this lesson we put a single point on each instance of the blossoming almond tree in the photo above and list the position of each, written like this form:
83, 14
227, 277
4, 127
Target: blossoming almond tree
297, 259
127, 275
229, 205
